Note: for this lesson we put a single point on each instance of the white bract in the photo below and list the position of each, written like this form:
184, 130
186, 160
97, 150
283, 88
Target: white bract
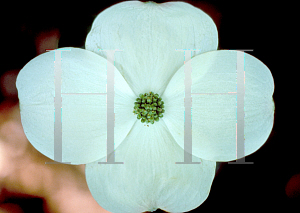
150, 37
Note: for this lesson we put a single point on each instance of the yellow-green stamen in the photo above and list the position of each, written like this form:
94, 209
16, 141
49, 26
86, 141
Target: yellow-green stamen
149, 108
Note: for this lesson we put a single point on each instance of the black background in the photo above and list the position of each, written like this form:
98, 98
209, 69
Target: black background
253, 25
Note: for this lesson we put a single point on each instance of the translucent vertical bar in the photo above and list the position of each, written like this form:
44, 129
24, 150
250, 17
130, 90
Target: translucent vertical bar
110, 154
188, 109
57, 108
240, 105
240, 125
110, 102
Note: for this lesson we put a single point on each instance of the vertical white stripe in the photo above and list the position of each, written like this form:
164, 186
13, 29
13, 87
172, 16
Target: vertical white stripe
110, 99
110, 103
240, 145
57, 108
187, 107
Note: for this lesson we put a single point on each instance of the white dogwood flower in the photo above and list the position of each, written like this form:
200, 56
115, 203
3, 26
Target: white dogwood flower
149, 106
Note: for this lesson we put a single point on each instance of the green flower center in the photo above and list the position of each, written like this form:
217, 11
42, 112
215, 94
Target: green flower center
149, 107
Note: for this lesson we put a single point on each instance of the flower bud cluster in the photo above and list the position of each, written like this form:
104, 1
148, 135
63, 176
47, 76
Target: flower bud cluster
149, 108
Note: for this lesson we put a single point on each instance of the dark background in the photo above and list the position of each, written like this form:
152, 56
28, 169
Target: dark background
241, 25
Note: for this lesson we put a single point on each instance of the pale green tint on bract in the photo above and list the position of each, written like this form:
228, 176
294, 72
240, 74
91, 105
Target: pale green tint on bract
149, 178
149, 35
214, 117
83, 116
